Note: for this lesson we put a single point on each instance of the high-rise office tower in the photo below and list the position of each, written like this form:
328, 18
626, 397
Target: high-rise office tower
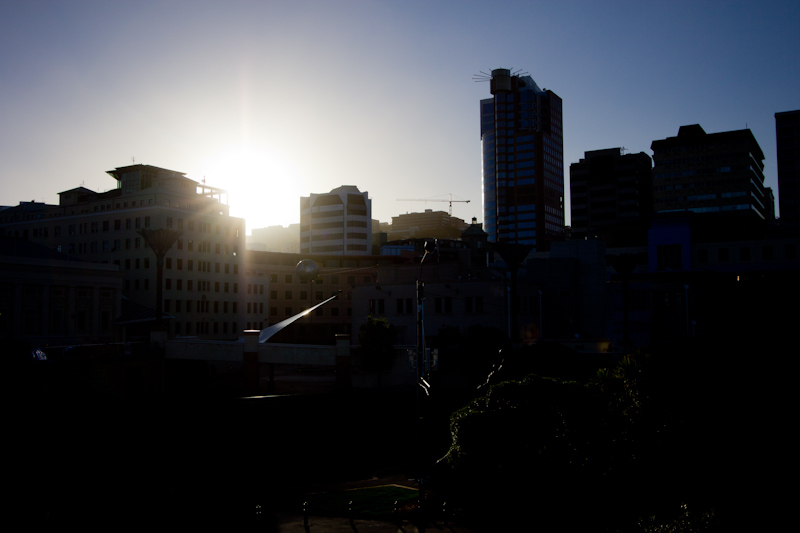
787, 136
711, 173
608, 187
523, 162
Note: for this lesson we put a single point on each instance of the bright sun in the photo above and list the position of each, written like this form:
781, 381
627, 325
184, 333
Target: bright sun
262, 188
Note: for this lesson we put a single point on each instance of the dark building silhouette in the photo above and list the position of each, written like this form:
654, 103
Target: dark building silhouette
608, 187
711, 173
48, 298
787, 136
700, 276
275, 292
523, 162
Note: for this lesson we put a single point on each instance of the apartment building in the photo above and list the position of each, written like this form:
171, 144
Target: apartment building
336, 223
203, 268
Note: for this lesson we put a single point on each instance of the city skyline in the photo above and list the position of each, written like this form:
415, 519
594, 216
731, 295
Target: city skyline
277, 101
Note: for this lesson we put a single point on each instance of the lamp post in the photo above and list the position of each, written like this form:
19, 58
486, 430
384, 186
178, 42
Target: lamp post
422, 384
514, 255
160, 241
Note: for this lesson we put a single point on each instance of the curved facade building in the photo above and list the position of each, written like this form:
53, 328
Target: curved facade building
338, 222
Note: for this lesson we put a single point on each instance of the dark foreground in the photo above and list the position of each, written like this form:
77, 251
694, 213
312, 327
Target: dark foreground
230, 462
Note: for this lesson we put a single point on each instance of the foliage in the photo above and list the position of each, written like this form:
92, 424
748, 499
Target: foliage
614, 447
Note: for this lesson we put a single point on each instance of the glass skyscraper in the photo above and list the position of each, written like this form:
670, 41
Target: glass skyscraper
523, 162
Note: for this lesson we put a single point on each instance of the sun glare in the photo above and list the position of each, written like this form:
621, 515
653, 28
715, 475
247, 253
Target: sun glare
262, 187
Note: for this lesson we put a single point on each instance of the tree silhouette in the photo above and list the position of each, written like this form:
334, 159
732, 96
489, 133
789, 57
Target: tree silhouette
160, 241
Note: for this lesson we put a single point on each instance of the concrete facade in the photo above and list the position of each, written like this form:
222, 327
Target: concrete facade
338, 222
202, 270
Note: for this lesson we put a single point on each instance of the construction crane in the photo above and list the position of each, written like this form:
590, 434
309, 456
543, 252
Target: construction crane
450, 201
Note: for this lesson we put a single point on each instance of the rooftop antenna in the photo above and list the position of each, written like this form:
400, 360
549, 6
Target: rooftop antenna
483, 76
133, 160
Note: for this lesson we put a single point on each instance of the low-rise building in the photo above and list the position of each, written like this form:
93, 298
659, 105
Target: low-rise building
50, 299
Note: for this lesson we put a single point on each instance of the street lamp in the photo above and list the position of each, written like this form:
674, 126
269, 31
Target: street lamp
422, 384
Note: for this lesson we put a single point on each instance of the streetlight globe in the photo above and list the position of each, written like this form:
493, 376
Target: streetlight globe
307, 270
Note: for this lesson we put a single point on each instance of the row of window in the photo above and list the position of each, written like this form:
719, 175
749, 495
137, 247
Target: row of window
202, 285
333, 311
287, 295
441, 305
200, 306
202, 266
205, 328
85, 228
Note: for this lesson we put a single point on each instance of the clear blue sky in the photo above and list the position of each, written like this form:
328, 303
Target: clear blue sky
278, 99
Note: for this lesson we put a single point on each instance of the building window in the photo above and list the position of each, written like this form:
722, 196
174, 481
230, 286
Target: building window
744, 253
668, 257
376, 306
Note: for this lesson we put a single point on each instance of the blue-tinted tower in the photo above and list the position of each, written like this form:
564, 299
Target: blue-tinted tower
523, 162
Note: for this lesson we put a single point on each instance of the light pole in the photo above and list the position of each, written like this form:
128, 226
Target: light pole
160, 241
422, 384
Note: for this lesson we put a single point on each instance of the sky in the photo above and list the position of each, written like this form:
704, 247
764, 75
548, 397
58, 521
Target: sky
274, 100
